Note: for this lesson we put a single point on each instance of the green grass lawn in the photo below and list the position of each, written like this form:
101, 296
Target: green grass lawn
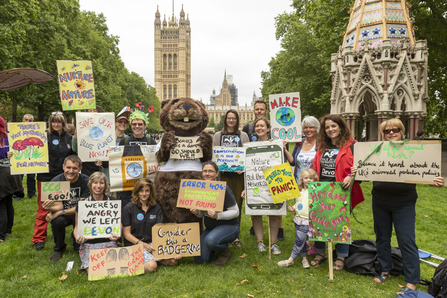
25, 272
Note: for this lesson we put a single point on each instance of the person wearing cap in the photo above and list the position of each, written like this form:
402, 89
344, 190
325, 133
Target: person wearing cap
121, 124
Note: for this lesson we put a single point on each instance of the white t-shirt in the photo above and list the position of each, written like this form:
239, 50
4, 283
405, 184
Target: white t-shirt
177, 165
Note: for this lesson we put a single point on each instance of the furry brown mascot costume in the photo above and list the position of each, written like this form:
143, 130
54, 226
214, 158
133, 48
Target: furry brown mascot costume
181, 117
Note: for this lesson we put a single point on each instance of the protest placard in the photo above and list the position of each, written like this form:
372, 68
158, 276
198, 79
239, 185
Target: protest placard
76, 86
285, 116
96, 132
229, 159
201, 194
173, 239
258, 157
29, 145
187, 148
281, 183
410, 162
99, 219
329, 212
128, 164
55, 191
116, 262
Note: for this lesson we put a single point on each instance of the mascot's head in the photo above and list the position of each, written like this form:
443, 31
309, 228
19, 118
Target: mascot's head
184, 116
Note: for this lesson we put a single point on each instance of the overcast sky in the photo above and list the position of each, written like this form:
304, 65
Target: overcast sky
236, 35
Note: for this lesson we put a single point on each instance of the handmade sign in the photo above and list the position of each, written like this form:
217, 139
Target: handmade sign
329, 212
96, 132
281, 183
258, 157
229, 159
285, 116
55, 191
201, 194
29, 144
99, 219
76, 86
128, 164
410, 162
187, 148
170, 240
116, 262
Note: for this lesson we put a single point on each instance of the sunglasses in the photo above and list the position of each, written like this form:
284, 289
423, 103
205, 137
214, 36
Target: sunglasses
57, 113
123, 122
394, 130
137, 124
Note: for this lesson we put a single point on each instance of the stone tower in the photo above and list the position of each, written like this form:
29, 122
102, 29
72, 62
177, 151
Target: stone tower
172, 50
380, 72
224, 98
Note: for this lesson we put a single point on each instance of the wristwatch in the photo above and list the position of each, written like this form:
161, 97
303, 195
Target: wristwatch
63, 212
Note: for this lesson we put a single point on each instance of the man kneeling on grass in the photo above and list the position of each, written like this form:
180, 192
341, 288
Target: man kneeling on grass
62, 214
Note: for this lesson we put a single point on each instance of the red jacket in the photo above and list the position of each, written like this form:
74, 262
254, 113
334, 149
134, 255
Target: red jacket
343, 164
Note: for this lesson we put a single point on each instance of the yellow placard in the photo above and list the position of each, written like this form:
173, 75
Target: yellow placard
29, 145
281, 183
76, 86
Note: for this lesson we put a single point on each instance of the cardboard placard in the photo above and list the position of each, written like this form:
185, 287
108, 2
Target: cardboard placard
128, 164
76, 86
187, 148
99, 219
410, 162
329, 212
229, 159
55, 191
281, 183
170, 240
96, 132
285, 116
116, 262
29, 144
201, 194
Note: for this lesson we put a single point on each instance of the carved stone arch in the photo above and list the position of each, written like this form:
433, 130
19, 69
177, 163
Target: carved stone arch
405, 99
358, 99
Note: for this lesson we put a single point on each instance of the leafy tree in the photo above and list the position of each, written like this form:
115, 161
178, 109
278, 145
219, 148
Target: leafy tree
211, 123
219, 126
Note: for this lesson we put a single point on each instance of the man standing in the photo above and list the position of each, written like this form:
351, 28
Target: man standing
260, 110
62, 214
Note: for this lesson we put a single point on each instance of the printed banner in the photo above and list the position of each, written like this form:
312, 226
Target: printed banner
96, 132
329, 212
128, 164
285, 116
201, 194
116, 262
187, 148
281, 183
170, 240
410, 162
99, 219
55, 191
229, 159
258, 157
76, 86
29, 144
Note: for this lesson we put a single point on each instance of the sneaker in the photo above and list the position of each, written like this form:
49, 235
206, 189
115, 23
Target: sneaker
223, 258
252, 232
261, 246
275, 249
38, 245
280, 236
17, 198
56, 256
305, 264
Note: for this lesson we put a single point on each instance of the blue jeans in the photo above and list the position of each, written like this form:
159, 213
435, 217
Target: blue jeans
403, 216
216, 240
342, 249
299, 249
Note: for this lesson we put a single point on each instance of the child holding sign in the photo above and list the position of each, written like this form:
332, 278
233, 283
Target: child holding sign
301, 219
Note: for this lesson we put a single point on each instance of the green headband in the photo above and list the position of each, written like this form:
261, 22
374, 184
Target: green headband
137, 114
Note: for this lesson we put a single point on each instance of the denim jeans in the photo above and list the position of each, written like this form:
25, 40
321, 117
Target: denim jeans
342, 249
216, 240
299, 248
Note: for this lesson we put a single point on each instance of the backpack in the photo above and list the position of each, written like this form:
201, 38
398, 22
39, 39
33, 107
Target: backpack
438, 285
363, 259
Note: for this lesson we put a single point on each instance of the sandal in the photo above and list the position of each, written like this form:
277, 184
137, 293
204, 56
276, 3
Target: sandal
305, 264
382, 277
319, 258
238, 243
285, 263
404, 290
340, 265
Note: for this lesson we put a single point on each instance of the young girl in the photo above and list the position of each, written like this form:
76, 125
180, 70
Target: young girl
301, 219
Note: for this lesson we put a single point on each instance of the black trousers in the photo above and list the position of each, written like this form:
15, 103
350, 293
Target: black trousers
58, 226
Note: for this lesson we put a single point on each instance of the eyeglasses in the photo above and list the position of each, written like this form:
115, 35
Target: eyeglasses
57, 113
137, 124
124, 122
394, 130
209, 172
231, 118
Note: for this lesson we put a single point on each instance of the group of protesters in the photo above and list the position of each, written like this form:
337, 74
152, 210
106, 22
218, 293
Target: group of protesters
326, 153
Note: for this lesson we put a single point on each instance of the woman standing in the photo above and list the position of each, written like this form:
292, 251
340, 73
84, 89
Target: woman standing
97, 184
221, 228
59, 147
231, 136
333, 162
